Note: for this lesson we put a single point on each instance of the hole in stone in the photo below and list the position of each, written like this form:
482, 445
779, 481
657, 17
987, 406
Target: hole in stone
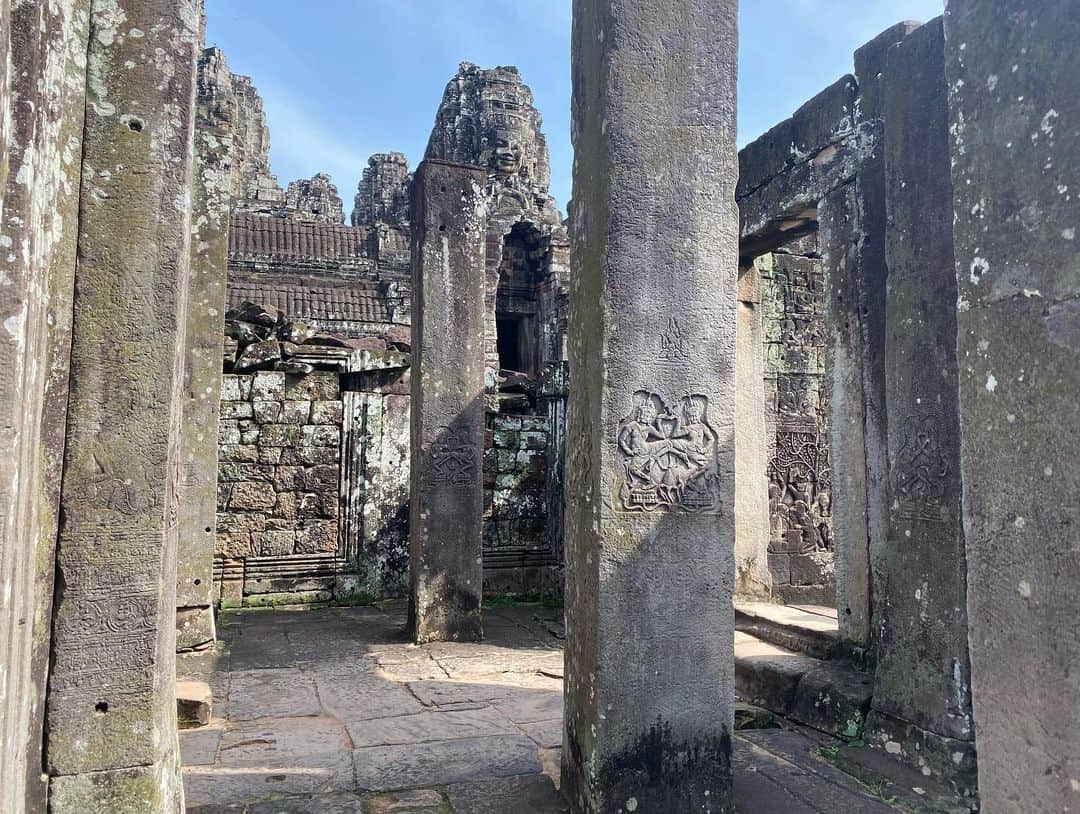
442, 189
102, 706
442, 227
847, 611
135, 125
209, 530
199, 582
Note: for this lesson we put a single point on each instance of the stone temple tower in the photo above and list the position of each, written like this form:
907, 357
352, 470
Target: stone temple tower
487, 119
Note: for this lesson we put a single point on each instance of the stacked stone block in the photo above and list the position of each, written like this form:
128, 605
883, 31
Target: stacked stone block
279, 473
515, 501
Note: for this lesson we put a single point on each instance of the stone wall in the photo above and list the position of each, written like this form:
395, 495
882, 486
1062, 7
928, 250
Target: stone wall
517, 553
279, 474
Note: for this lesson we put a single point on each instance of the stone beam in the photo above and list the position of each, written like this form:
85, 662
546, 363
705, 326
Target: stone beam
447, 497
1012, 69
111, 714
650, 443
922, 698
42, 98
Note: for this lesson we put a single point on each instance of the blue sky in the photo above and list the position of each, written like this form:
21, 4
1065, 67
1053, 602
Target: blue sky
343, 79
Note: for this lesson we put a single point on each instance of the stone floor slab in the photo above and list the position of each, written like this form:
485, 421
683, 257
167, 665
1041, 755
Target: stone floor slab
198, 747
270, 693
457, 761
547, 734
534, 794
352, 697
336, 803
280, 741
429, 725
226, 785
410, 801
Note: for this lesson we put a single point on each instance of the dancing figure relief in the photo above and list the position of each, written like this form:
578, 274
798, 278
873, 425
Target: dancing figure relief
668, 456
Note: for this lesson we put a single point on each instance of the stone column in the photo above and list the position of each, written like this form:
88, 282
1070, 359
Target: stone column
202, 367
447, 498
111, 714
838, 216
752, 576
650, 443
1012, 68
42, 98
922, 701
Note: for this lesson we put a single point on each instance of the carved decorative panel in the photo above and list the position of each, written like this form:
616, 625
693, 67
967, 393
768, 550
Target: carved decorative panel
667, 455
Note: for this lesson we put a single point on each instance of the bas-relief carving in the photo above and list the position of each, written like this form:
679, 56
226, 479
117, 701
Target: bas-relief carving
800, 501
922, 469
452, 458
667, 456
673, 345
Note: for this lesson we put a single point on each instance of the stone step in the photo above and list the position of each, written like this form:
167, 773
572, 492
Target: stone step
830, 696
805, 629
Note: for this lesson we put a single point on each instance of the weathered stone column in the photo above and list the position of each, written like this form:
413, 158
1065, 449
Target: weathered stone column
447, 499
838, 216
922, 700
202, 359
650, 444
42, 97
1012, 69
752, 576
111, 716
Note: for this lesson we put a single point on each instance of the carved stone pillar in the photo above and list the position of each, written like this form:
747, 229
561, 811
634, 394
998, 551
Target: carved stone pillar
650, 444
922, 697
42, 99
111, 714
1012, 68
447, 498
202, 369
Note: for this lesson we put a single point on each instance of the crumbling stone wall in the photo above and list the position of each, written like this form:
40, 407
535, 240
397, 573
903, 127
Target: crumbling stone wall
797, 425
279, 472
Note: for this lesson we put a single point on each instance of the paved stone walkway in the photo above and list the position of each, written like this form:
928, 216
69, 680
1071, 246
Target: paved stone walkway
330, 711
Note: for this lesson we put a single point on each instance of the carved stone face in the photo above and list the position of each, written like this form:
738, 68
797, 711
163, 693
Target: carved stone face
646, 412
506, 158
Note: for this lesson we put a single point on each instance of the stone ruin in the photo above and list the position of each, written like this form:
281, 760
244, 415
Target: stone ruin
858, 395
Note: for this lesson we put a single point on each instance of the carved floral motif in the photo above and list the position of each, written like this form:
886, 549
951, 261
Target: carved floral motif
452, 458
922, 469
